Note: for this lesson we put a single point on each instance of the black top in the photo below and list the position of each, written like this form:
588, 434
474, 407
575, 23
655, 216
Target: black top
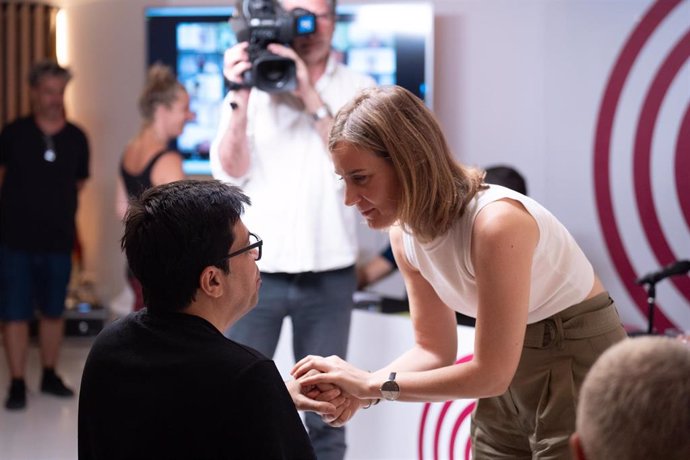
135, 184
171, 386
38, 198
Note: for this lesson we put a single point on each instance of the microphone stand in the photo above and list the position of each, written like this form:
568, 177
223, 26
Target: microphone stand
651, 297
679, 267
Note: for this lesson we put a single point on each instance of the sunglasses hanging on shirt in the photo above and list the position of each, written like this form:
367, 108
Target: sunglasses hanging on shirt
49, 154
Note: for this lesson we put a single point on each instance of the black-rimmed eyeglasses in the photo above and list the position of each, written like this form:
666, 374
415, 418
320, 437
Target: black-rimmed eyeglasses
255, 244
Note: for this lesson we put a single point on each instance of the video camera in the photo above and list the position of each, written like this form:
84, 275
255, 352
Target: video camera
261, 22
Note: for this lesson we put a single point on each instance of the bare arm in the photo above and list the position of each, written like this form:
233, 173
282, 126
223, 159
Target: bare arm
231, 145
167, 169
504, 238
375, 269
435, 331
121, 199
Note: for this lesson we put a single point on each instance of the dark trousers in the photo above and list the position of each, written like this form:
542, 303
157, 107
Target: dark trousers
320, 306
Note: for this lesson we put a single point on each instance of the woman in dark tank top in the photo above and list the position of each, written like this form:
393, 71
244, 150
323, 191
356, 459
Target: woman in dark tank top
147, 159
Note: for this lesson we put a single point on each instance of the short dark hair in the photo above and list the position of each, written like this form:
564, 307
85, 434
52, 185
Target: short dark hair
174, 231
506, 176
47, 68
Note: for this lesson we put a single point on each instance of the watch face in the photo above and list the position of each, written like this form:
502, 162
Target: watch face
390, 390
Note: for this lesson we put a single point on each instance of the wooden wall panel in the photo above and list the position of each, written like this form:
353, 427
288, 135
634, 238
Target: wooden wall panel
25, 58
27, 35
40, 32
51, 33
11, 56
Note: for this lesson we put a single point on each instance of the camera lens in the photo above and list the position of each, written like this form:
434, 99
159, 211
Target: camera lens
274, 73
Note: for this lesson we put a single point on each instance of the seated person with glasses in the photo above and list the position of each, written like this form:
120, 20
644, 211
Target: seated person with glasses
164, 382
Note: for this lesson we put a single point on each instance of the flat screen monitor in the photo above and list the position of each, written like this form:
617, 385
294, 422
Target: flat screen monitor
391, 42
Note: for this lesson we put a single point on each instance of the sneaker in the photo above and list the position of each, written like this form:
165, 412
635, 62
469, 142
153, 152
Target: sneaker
16, 397
52, 384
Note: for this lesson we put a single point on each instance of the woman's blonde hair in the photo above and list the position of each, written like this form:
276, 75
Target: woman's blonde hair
395, 124
162, 88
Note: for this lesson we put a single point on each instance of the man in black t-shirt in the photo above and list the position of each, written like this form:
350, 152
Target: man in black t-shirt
164, 382
44, 161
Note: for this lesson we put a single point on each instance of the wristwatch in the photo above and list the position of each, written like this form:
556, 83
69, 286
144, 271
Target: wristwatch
321, 113
390, 390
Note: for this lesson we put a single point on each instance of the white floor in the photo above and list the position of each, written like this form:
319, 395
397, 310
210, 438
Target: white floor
47, 428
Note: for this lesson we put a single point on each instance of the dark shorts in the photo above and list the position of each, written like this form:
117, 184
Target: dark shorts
31, 281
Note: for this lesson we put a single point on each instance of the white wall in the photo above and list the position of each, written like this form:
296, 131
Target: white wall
107, 55
515, 82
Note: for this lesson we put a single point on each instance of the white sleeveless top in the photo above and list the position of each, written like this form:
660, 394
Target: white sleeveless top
561, 274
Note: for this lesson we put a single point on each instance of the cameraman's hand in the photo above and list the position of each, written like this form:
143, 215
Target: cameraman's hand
235, 63
305, 89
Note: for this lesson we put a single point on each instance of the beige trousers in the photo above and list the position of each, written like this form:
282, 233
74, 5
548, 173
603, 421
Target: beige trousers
536, 416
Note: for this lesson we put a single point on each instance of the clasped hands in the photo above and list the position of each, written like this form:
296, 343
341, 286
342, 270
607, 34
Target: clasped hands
329, 386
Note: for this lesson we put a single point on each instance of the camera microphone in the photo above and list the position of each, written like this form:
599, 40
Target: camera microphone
679, 267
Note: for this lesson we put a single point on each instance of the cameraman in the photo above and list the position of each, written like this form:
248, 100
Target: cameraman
274, 146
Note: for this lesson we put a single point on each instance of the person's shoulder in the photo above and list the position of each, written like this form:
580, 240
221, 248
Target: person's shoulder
118, 325
18, 124
168, 155
502, 220
75, 128
244, 352
240, 359
395, 234
111, 335
240, 367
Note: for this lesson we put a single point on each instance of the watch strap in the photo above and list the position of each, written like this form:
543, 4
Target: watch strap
321, 113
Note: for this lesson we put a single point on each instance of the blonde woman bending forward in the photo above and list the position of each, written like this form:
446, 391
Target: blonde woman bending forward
542, 314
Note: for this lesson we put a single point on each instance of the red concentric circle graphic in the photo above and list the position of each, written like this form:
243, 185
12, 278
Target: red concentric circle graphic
642, 157
434, 429
682, 163
642, 153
